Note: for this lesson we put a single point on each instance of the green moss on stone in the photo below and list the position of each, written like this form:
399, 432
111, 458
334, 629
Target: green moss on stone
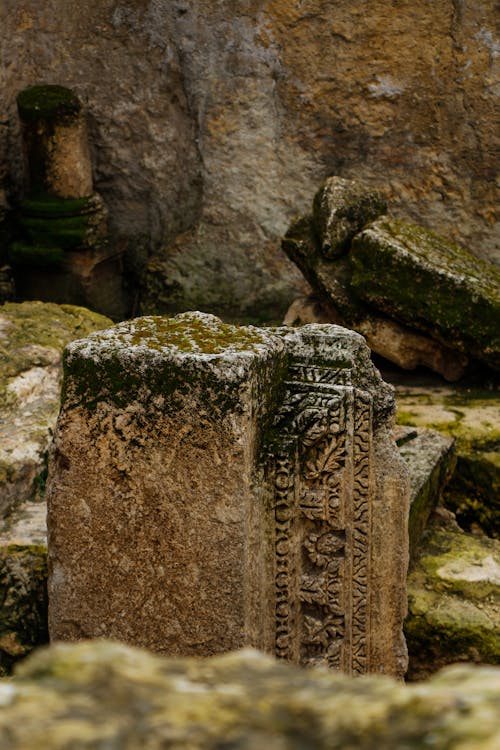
48, 102
149, 356
37, 256
474, 492
47, 206
32, 328
68, 232
431, 284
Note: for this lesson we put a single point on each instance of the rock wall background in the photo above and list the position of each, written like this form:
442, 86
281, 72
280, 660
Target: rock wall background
213, 121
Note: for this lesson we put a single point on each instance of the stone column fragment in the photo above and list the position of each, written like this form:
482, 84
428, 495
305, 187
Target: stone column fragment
55, 142
213, 487
156, 528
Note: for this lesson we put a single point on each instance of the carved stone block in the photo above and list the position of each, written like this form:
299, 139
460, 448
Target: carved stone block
213, 487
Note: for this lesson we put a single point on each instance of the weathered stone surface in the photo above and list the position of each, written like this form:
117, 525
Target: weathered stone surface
431, 459
454, 602
103, 694
220, 123
23, 594
32, 337
385, 337
432, 285
340, 210
229, 486
472, 417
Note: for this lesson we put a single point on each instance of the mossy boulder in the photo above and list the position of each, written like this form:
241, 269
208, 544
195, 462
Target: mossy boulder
32, 338
23, 593
454, 602
331, 280
100, 694
430, 284
324, 245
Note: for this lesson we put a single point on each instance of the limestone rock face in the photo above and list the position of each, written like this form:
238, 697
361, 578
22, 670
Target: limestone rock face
229, 486
32, 337
429, 284
454, 602
101, 694
211, 127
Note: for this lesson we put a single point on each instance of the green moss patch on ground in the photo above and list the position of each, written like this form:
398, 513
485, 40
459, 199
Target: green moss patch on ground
454, 601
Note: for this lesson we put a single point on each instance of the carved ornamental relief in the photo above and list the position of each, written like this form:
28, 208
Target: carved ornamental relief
320, 479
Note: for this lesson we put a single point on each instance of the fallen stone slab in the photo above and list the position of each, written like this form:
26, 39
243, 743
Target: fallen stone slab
32, 338
101, 694
229, 486
454, 602
320, 245
431, 460
430, 284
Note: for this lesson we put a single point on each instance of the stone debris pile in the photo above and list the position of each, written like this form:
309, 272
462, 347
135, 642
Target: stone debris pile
417, 298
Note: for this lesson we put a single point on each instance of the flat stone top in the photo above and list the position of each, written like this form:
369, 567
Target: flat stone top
190, 334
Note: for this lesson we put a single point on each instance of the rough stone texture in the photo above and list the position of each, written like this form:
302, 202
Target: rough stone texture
23, 598
385, 337
472, 417
431, 459
430, 284
219, 122
96, 695
454, 602
229, 486
340, 210
32, 337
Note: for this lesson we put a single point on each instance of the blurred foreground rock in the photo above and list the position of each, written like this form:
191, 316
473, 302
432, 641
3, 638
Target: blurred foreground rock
101, 694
